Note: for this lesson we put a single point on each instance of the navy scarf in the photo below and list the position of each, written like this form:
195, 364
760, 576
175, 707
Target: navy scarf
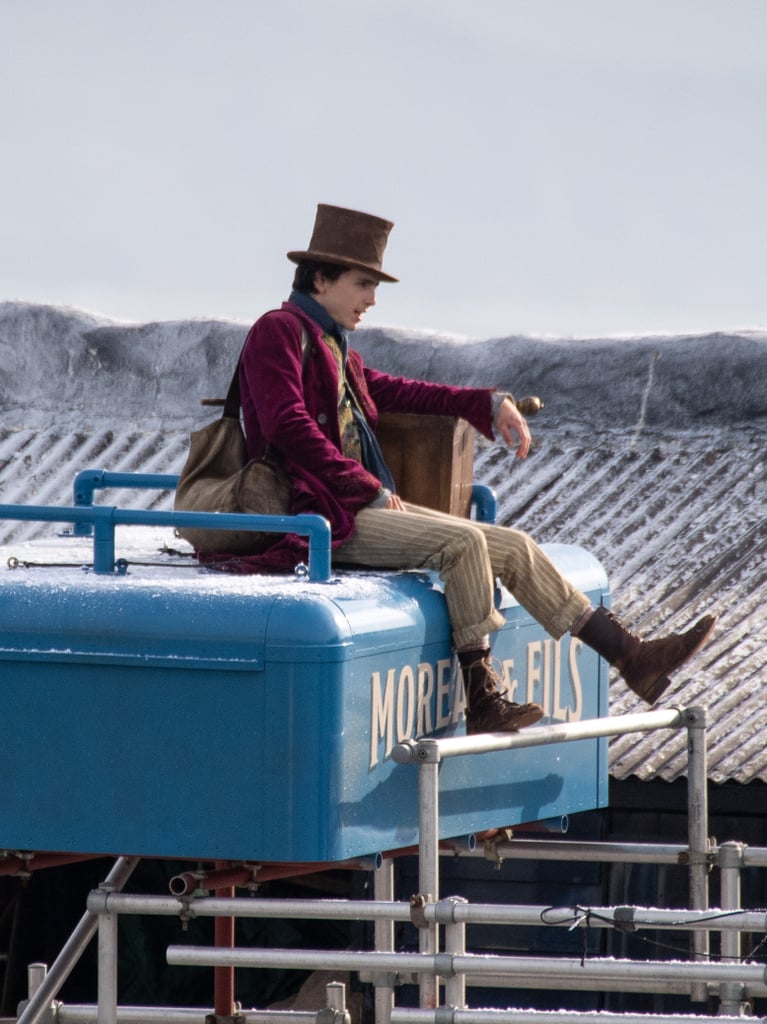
370, 450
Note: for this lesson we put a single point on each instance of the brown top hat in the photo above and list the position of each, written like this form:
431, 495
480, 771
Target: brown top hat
349, 238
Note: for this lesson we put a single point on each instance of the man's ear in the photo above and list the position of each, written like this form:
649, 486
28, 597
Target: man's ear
318, 283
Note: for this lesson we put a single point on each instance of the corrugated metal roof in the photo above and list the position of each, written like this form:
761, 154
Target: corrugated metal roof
38, 467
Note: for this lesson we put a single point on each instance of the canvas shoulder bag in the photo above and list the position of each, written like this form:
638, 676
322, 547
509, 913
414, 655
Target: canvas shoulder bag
217, 477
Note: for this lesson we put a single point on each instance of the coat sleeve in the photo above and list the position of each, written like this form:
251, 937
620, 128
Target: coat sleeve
400, 394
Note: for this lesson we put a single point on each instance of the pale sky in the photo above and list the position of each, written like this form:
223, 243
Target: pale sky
571, 167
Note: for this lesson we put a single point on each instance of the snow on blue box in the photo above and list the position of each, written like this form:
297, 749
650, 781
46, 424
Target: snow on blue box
176, 712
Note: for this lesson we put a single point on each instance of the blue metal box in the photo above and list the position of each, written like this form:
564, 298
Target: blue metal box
181, 713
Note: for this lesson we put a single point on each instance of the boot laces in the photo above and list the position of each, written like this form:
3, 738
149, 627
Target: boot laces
491, 680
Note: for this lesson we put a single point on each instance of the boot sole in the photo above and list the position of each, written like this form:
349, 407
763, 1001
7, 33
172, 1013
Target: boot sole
528, 714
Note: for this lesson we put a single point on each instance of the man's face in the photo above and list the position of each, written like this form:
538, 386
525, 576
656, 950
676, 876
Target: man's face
348, 298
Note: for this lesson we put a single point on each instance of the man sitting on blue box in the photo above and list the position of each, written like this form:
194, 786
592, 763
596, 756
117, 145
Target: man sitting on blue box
309, 398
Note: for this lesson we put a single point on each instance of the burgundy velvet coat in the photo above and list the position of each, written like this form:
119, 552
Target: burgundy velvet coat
290, 401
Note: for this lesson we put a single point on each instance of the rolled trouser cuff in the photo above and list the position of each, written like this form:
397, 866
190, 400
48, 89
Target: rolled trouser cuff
469, 636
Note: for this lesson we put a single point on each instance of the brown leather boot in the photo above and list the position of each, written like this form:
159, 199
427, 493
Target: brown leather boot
486, 709
644, 664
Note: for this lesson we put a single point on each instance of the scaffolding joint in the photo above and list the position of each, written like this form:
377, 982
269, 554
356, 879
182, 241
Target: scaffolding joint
24, 872
224, 1018
444, 1015
49, 1015
490, 846
443, 965
731, 854
623, 920
694, 718
444, 910
329, 1015
418, 903
708, 857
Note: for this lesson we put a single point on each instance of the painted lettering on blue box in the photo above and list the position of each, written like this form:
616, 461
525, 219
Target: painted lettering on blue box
409, 701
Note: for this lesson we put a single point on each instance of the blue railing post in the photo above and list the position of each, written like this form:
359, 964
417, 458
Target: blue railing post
484, 502
103, 540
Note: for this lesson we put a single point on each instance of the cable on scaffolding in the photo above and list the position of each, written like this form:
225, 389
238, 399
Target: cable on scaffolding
623, 921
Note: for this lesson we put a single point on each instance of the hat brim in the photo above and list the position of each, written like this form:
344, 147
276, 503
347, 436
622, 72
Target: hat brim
326, 257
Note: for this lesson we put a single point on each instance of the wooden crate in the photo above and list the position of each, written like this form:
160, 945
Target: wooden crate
431, 459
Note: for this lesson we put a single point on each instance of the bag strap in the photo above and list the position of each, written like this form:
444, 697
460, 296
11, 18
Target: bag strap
232, 400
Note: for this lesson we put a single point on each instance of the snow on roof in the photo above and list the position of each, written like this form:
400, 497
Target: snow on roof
649, 453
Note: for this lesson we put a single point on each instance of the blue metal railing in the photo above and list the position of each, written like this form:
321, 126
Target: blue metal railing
104, 518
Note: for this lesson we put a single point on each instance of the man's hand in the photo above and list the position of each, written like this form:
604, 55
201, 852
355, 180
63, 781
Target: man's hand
513, 428
395, 502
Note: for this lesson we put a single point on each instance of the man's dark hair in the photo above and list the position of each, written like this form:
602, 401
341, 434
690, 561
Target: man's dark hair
303, 281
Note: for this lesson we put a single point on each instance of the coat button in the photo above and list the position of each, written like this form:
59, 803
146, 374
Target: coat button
322, 418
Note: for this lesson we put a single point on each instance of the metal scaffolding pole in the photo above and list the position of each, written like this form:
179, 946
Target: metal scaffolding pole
455, 945
524, 971
383, 938
77, 1013
697, 825
449, 1015
100, 902
586, 851
722, 919
428, 868
730, 861
107, 969
443, 912
416, 751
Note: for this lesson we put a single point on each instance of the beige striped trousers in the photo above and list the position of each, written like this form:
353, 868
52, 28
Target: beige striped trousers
468, 556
